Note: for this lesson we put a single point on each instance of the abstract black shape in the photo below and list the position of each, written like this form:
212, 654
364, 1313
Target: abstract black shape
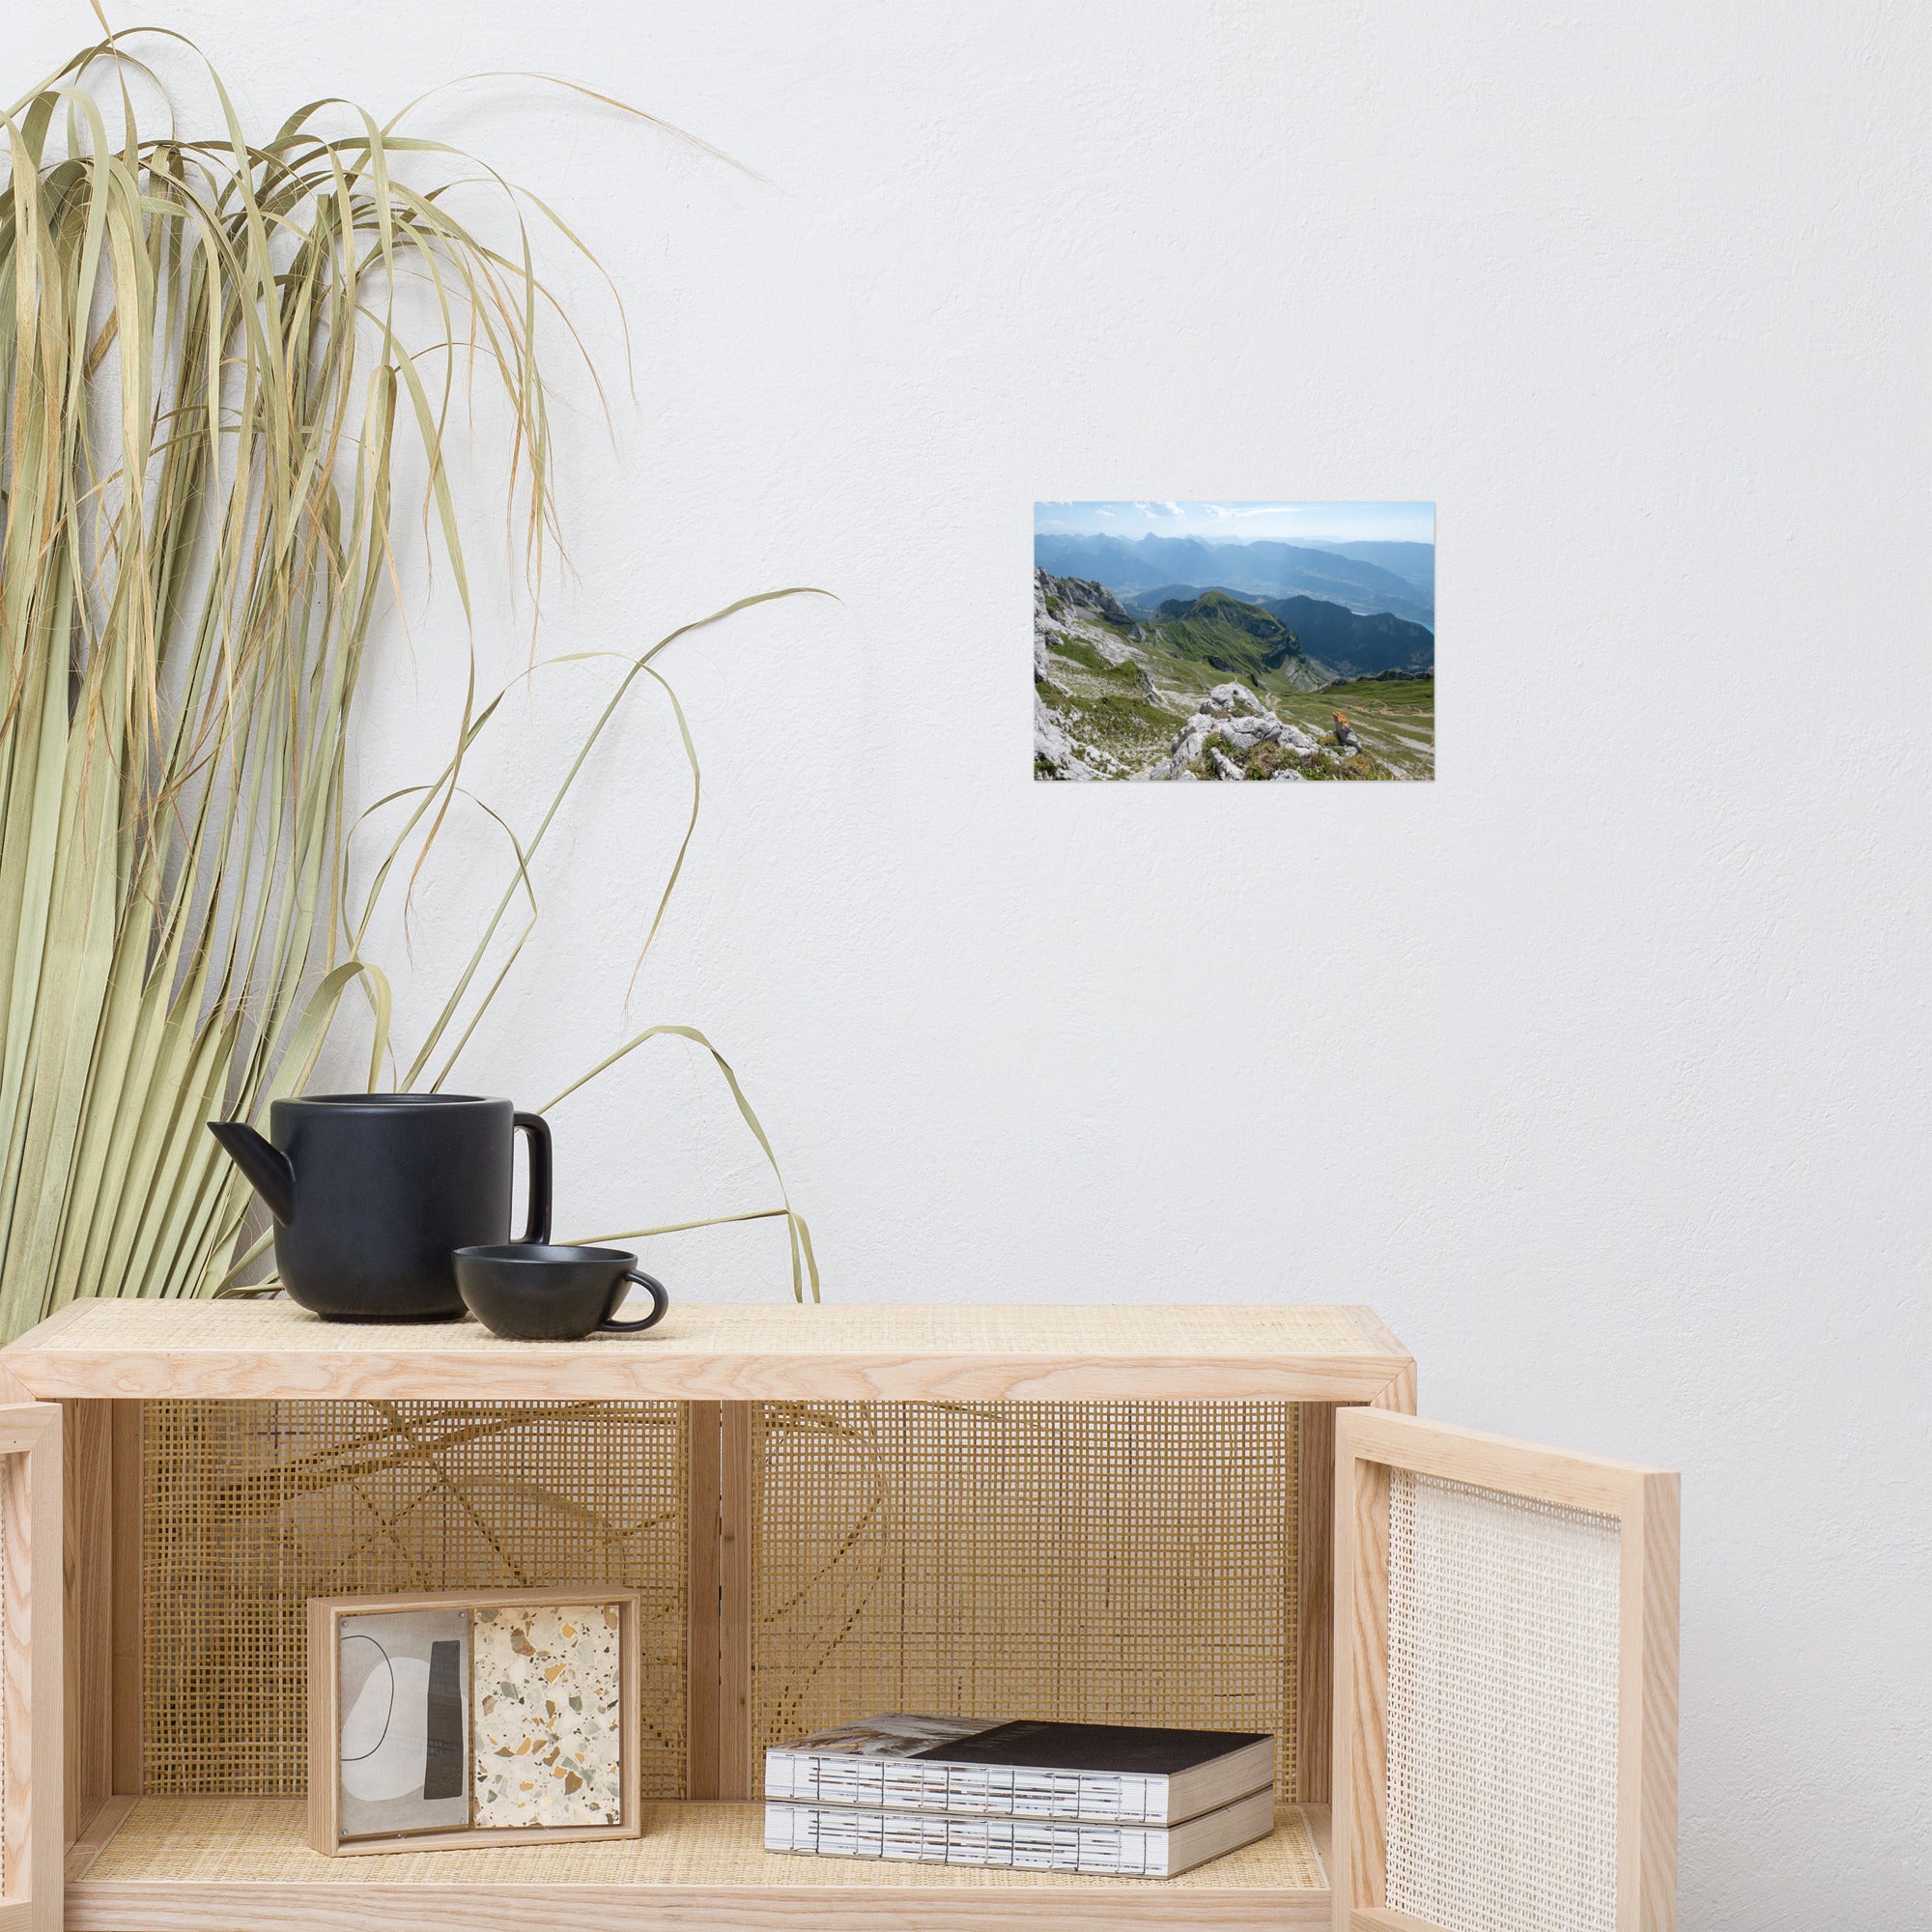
443, 1748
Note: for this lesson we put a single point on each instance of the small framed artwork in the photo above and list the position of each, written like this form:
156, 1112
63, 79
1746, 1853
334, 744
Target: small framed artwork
478, 1718
1176, 641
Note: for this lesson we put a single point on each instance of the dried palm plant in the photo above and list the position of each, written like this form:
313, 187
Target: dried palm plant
210, 380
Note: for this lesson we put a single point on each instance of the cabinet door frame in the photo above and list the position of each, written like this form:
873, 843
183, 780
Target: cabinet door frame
32, 1822
1370, 1444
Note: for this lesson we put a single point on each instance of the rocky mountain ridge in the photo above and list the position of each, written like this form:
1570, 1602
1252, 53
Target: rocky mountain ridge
1120, 697
1356, 644
1352, 643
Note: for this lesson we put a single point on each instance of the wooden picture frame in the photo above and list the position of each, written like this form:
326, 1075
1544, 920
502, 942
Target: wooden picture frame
1371, 1445
325, 1617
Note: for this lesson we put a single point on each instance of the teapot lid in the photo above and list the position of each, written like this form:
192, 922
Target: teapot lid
388, 1100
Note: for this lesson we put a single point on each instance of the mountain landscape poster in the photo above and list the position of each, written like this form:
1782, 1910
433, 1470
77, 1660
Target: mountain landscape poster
1233, 640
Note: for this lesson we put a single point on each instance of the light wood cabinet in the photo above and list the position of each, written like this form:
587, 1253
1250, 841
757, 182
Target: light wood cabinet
1131, 1511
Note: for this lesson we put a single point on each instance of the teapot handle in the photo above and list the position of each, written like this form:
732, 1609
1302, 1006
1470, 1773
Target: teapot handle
537, 1229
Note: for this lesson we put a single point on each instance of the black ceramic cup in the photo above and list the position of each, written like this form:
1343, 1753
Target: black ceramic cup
529, 1291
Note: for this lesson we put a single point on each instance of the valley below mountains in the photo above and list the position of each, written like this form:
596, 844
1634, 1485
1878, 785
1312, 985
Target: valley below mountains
1179, 683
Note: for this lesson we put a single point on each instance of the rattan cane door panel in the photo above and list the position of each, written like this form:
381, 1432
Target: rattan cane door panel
252, 1508
1502, 1710
1505, 1713
1111, 1562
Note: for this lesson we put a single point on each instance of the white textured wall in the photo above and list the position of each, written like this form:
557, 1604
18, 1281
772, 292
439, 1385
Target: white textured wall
1600, 1065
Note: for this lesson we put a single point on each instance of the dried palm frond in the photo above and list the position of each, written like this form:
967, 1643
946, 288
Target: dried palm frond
209, 384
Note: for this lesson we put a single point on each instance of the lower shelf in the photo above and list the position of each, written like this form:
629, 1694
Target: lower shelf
239, 1864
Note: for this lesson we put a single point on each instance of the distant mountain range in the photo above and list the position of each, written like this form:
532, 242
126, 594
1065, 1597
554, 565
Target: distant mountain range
1365, 577
1415, 562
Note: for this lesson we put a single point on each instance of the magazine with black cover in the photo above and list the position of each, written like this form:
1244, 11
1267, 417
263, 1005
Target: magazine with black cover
846, 1764
1021, 1844
1127, 1773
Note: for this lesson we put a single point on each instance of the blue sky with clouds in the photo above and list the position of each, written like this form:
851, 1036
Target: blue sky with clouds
1243, 523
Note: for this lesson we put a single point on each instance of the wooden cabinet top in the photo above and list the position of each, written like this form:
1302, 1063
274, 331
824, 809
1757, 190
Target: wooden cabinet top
739, 1351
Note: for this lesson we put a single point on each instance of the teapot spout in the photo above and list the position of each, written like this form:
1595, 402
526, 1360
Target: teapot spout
265, 1166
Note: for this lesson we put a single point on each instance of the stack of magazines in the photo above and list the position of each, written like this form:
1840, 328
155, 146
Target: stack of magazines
1116, 1799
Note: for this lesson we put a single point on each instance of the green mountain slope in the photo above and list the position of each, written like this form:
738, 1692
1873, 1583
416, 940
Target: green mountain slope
1222, 631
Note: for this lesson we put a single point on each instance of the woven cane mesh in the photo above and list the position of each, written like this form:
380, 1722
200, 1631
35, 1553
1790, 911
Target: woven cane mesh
199, 1841
1106, 1562
250, 1508
1502, 1710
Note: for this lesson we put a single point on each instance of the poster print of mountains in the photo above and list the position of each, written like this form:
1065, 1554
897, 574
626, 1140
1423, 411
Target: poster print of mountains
1233, 641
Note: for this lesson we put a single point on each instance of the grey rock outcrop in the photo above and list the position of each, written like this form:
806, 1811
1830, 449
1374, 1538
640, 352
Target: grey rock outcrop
1232, 701
1043, 619
1241, 729
1079, 594
1060, 603
1052, 746
1187, 744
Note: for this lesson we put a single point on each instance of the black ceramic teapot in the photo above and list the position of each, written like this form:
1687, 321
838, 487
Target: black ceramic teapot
373, 1192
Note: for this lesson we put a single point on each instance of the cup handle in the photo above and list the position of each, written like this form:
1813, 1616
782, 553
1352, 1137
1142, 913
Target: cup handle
660, 1300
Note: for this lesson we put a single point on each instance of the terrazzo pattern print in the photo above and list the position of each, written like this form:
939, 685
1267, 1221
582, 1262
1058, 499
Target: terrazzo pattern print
548, 1723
